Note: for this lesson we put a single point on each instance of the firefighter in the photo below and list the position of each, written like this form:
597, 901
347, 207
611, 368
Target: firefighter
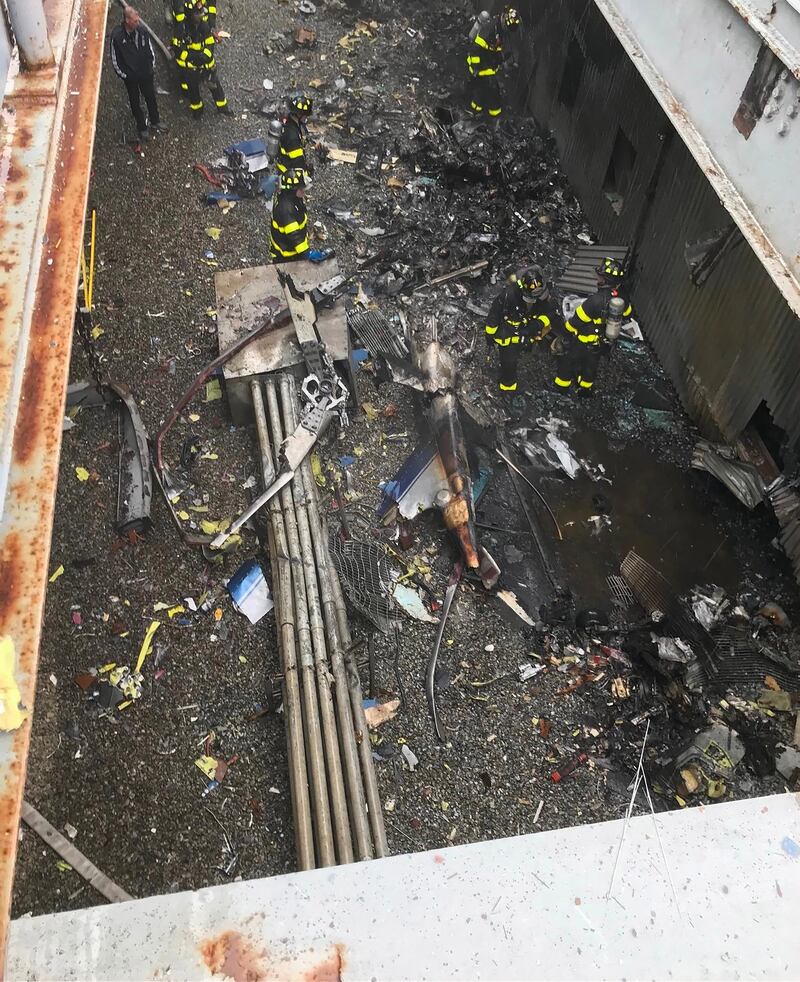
289, 219
485, 58
181, 10
178, 10
196, 59
519, 317
294, 137
584, 332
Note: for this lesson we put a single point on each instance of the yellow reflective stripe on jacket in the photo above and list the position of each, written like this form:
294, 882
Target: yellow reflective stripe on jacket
292, 153
303, 247
491, 330
582, 315
488, 71
291, 227
588, 338
481, 42
627, 311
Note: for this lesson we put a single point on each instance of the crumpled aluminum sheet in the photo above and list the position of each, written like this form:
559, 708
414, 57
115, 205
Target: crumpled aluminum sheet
741, 479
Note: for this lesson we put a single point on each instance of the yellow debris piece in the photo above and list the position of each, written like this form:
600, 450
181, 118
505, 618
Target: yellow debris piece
11, 716
208, 765
147, 644
212, 528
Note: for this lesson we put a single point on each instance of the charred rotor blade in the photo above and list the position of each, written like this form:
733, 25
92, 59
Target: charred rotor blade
452, 586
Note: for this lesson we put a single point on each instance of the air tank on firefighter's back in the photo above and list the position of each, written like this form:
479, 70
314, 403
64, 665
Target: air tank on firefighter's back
614, 319
273, 140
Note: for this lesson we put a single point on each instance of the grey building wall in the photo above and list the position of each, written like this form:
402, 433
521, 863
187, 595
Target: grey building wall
730, 344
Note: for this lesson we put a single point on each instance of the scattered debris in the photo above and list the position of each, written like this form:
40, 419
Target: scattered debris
528, 671
249, 591
409, 757
411, 602
378, 713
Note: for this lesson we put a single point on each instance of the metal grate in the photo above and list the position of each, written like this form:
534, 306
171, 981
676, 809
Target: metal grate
742, 658
376, 333
656, 596
621, 594
580, 276
366, 578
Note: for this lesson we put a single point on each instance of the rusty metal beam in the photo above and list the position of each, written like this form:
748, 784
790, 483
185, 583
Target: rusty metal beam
46, 139
30, 32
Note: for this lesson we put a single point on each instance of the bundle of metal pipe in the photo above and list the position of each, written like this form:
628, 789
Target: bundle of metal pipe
337, 809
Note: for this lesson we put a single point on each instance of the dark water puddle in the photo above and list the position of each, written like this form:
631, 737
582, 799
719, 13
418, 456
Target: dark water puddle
679, 520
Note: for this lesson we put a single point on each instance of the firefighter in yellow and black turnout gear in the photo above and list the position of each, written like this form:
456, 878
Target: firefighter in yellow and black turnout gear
289, 219
196, 60
294, 137
485, 58
519, 317
584, 332
181, 11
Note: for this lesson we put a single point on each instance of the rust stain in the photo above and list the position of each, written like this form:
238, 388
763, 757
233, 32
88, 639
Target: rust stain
329, 970
233, 956
11, 557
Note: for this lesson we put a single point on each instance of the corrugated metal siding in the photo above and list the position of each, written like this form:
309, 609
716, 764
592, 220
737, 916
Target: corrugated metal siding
728, 345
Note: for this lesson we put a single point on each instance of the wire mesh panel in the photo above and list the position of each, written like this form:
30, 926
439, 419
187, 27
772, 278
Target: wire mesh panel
366, 578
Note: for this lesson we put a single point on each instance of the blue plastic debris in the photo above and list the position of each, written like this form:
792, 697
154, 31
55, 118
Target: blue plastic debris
249, 591
254, 153
320, 255
790, 847
347, 461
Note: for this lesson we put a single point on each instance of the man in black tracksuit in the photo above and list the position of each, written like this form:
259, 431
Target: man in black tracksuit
584, 332
519, 317
289, 239
133, 59
294, 137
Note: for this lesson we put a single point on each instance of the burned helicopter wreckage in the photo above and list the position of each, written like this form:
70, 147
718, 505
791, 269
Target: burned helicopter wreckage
443, 478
